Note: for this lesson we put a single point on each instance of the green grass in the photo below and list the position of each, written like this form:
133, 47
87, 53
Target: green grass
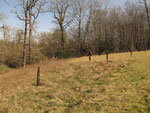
79, 86
4, 68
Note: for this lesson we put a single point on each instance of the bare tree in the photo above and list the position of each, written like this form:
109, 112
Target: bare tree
23, 16
145, 2
18, 36
80, 10
33, 15
4, 45
147, 11
61, 10
26, 15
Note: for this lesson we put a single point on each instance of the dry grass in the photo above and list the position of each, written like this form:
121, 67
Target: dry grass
79, 86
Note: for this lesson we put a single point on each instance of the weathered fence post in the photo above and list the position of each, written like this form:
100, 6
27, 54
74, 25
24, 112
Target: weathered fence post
90, 57
107, 56
38, 76
131, 52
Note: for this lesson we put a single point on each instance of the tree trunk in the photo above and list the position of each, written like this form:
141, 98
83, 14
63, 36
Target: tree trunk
79, 34
25, 38
147, 12
4, 43
62, 38
30, 32
79, 42
107, 56
148, 19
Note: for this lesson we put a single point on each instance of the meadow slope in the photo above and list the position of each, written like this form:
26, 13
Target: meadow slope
79, 86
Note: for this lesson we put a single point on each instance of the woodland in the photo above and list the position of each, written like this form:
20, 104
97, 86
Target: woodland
81, 26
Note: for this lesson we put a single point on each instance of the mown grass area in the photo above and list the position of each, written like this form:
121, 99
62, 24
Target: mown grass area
79, 86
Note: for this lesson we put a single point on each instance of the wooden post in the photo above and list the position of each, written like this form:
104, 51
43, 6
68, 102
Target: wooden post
131, 52
107, 56
90, 57
38, 76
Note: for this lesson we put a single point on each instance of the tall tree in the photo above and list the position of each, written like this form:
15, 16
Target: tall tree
61, 10
147, 11
25, 6
80, 10
33, 15
145, 2
28, 13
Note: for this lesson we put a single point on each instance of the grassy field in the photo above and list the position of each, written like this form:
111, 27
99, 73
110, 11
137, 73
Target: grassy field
121, 85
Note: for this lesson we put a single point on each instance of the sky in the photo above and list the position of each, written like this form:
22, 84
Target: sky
44, 21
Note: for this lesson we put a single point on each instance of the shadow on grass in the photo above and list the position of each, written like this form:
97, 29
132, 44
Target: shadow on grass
40, 85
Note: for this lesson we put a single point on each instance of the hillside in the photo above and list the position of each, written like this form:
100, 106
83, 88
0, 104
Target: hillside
79, 86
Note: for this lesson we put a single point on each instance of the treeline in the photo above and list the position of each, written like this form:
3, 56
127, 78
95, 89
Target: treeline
99, 28
83, 25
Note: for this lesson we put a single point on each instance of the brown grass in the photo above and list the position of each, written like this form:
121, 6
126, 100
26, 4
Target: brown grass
79, 86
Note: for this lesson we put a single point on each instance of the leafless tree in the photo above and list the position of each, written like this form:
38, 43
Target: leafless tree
61, 11
145, 3
23, 16
80, 11
33, 15
27, 10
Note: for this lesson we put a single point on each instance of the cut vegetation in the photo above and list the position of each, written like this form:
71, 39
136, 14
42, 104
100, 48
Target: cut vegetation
79, 86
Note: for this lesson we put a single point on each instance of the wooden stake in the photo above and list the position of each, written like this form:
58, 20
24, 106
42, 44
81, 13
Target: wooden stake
131, 52
107, 56
38, 76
